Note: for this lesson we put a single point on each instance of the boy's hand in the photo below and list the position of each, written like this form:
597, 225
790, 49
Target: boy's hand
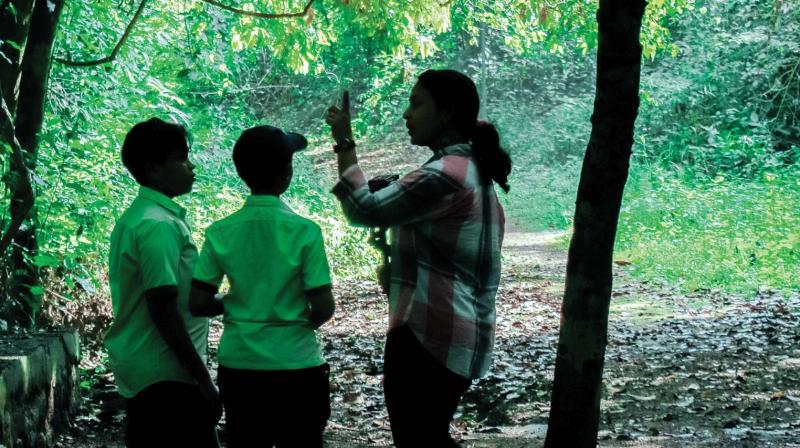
339, 120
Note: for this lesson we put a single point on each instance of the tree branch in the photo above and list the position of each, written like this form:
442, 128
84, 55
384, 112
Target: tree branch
22, 184
114, 52
262, 15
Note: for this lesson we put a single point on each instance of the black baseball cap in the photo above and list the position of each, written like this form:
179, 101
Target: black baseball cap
270, 138
261, 153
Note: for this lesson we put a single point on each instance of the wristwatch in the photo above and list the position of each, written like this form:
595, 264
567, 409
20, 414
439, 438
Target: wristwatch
346, 145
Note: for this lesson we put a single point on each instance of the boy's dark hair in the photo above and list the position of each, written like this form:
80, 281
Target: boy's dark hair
262, 154
153, 142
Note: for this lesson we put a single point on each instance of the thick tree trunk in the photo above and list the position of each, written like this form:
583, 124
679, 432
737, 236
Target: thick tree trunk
14, 21
575, 403
35, 70
35, 74
24, 73
13, 308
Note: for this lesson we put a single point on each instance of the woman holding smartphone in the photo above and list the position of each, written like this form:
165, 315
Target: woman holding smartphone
446, 228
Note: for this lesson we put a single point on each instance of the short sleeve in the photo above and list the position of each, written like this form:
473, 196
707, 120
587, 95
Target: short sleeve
207, 269
159, 244
316, 271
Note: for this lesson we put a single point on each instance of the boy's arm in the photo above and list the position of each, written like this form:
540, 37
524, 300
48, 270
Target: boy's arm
204, 300
162, 305
320, 301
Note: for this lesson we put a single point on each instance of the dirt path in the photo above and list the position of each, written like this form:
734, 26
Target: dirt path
691, 371
699, 370
702, 370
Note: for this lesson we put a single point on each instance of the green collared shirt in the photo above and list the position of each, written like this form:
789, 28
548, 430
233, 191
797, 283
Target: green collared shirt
151, 246
270, 256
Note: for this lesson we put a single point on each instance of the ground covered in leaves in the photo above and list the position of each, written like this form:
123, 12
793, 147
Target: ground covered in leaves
700, 370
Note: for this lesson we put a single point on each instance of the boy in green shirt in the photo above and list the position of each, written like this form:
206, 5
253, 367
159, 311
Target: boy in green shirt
156, 347
272, 378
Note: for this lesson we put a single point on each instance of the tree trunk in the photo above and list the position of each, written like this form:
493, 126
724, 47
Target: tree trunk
12, 307
23, 83
14, 20
575, 403
35, 73
484, 85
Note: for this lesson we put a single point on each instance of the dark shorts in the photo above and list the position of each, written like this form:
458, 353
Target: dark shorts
282, 408
169, 414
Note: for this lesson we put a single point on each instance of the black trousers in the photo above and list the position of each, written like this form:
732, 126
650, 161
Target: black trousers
169, 414
282, 408
421, 394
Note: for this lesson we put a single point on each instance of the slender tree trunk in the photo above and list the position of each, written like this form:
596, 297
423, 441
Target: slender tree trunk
484, 85
35, 73
575, 403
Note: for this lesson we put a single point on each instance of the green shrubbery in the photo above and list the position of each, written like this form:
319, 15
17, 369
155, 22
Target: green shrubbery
714, 161
712, 198
729, 233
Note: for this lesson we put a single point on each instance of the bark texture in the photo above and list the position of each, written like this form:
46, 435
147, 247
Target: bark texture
575, 403
14, 21
31, 76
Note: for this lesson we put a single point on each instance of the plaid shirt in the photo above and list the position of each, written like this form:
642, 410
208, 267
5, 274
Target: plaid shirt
446, 234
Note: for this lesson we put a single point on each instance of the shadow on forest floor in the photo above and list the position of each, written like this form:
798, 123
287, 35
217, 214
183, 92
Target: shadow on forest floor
699, 370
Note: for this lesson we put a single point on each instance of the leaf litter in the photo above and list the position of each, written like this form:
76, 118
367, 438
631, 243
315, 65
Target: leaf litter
709, 369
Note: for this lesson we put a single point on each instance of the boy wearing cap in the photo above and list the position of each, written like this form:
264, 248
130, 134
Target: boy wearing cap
272, 378
157, 349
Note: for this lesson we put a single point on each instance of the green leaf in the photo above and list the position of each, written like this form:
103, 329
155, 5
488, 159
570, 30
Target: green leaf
45, 260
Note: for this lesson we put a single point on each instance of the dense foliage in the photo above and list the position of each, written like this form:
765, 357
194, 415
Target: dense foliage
715, 197
718, 126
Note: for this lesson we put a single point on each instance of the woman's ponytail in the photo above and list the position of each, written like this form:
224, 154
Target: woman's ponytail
455, 91
493, 161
